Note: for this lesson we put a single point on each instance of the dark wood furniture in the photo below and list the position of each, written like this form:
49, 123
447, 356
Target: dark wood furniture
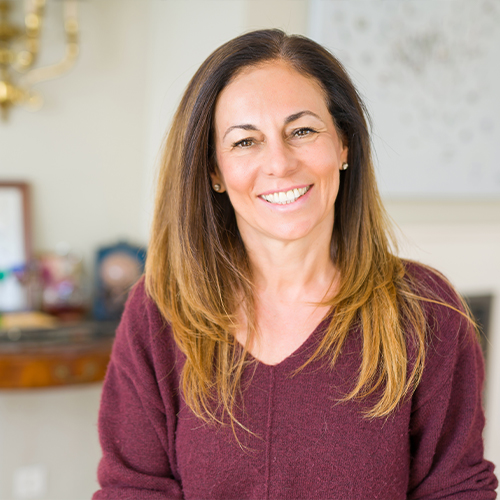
71, 354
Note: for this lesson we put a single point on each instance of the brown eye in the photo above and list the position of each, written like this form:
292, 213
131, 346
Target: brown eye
302, 132
244, 143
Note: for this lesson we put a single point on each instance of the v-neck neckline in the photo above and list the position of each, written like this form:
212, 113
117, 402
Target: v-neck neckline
298, 353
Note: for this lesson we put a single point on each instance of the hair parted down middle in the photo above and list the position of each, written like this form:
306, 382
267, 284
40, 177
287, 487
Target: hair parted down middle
197, 268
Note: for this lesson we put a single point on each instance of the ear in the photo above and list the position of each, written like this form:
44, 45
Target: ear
217, 180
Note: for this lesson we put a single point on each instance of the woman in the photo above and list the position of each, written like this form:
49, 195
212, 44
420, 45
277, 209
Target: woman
277, 348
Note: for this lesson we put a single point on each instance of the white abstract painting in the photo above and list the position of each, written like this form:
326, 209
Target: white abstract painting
429, 73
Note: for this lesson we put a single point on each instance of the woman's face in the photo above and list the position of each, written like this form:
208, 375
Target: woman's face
278, 154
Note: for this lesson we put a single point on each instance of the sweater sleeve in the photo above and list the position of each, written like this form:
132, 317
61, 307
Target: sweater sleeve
447, 416
135, 425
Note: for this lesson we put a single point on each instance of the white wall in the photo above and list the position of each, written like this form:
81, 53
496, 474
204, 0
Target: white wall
53, 428
90, 156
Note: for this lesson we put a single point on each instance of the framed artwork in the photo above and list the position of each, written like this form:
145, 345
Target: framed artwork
118, 267
15, 245
430, 76
481, 307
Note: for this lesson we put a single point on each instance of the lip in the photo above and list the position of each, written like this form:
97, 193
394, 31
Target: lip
284, 190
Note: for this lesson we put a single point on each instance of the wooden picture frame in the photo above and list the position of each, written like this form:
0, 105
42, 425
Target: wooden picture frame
15, 244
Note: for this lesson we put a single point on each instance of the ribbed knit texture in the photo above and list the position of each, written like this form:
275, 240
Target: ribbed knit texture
304, 443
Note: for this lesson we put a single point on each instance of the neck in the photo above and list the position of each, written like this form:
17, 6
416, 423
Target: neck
292, 279
295, 271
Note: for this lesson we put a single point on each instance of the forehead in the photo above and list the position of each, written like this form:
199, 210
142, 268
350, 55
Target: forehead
272, 87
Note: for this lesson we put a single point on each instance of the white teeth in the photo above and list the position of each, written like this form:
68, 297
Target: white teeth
284, 197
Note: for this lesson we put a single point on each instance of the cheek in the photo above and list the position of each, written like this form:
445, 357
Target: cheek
237, 176
324, 162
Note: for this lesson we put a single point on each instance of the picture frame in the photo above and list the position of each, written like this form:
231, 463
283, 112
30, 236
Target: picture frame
15, 244
481, 307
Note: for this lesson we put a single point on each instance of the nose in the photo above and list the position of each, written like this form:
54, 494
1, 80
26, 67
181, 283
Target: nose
279, 160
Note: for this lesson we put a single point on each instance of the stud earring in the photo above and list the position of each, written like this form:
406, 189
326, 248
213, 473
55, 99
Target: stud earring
345, 165
217, 187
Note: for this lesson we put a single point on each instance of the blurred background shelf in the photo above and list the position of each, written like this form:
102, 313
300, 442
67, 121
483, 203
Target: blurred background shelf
69, 354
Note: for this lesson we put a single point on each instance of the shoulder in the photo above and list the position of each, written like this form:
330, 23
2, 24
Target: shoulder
446, 418
444, 309
139, 306
451, 340
429, 283
140, 319
144, 340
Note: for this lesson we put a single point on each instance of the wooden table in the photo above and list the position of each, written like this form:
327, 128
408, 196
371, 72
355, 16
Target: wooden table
71, 354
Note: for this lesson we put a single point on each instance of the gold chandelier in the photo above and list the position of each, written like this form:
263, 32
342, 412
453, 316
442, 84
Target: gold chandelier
19, 50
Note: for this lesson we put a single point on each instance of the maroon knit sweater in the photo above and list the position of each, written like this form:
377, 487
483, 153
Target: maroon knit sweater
305, 444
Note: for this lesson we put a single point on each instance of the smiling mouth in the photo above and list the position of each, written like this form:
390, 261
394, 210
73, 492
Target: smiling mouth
285, 197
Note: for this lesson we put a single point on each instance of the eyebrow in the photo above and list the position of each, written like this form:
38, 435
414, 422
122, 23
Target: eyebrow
288, 119
300, 114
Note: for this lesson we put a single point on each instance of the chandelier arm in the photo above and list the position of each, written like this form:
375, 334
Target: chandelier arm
33, 20
50, 72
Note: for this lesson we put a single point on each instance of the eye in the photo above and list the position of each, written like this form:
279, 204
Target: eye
244, 143
302, 132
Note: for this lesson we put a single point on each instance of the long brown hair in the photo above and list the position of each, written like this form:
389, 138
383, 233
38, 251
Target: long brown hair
197, 265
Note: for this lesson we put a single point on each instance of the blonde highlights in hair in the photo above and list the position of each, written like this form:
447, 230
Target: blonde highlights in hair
198, 271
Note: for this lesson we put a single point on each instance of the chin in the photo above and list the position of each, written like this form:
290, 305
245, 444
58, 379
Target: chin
291, 232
